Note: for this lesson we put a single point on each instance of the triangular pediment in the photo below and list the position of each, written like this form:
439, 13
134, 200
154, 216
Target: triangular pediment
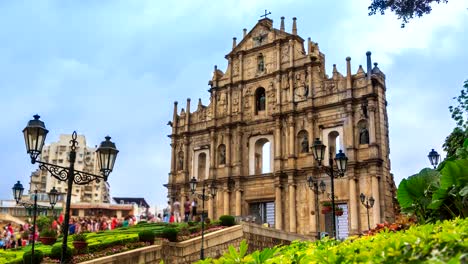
262, 33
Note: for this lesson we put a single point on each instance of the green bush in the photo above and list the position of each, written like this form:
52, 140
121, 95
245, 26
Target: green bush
56, 252
146, 236
79, 237
227, 220
194, 229
38, 256
170, 234
48, 233
191, 223
44, 222
142, 222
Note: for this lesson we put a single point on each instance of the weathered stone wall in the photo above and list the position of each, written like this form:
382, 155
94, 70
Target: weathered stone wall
147, 255
215, 244
259, 237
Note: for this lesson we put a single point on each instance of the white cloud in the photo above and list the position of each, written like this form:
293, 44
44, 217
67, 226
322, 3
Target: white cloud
383, 34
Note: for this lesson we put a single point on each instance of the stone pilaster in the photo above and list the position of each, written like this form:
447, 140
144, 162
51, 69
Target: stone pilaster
278, 207
376, 195
353, 202
238, 202
226, 203
292, 207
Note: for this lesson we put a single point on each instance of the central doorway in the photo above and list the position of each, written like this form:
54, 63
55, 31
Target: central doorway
264, 212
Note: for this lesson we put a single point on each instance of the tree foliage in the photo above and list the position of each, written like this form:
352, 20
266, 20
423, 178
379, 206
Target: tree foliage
404, 9
454, 141
460, 111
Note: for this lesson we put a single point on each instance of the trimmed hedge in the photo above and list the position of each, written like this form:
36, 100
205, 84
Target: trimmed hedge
56, 252
170, 234
38, 256
227, 220
146, 236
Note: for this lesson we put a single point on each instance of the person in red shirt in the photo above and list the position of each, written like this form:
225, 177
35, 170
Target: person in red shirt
61, 218
54, 224
114, 222
172, 219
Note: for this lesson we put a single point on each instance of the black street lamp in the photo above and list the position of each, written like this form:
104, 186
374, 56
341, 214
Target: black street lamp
203, 197
34, 137
368, 202
18, 193
318, 149
316, 188
434, 158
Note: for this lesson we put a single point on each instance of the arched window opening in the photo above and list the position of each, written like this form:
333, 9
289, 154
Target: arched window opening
333, 143
260, 63
180, 161
303, 141
260, 100
363, 132
222, 154
201, 166
266, 158
262, 156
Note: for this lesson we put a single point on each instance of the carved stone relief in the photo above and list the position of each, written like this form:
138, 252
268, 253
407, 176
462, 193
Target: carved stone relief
235, 102
285, 53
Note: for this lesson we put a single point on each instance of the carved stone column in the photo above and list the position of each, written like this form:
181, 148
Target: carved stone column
376, 195
238, 201
371, 108
186, 158
226, 204
291, 86
353, 201
278, 139
278, 207
210, 203
212, 153
228, 150
312, 212
240, 149
292, 206
349, 133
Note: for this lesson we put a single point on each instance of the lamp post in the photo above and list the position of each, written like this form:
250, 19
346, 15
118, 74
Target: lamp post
18, 193
316, 188
203, 197
434, 158
368, 202
318, 149
34, 137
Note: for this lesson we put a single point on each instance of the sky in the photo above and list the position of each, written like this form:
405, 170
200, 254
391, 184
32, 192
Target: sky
116, 67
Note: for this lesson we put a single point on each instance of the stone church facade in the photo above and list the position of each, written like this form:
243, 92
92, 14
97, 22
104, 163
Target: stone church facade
253, 139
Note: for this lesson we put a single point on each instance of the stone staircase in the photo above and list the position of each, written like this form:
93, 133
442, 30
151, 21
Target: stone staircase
215, 244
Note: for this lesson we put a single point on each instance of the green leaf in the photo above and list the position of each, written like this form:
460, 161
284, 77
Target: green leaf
454, 173
464, 191
414, 190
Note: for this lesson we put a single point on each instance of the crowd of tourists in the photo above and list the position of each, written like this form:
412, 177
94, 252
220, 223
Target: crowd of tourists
173, 213
21, 235
14, 237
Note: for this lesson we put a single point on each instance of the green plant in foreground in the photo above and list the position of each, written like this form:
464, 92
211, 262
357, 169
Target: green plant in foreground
56, 252
48, 233
442, 242
81, 237
38, 256
227, 220
146, 236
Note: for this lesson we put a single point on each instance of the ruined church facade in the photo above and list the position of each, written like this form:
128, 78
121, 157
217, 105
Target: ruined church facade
254, 138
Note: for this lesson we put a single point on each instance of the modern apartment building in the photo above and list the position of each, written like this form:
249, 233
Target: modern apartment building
86, 160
